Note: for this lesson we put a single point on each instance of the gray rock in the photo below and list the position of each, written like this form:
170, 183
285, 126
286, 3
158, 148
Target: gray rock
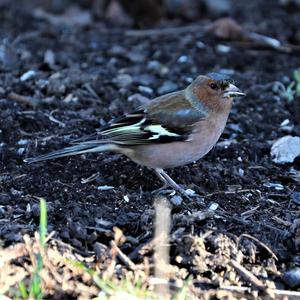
8, 55
286, 149
123, 80
157, 67
223, 49
176, 200
183, 59
35, 209
296, 197
28, 75
145, 79
117, 50
218, 7
140, 99
145, 89
167, 87
49, 58
292, 278
234, 127
5, 199
136, 57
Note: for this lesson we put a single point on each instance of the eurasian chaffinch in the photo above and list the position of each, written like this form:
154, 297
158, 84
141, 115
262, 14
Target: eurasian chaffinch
172, 130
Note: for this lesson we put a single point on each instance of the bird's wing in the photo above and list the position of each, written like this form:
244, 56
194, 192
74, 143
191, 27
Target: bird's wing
166, 119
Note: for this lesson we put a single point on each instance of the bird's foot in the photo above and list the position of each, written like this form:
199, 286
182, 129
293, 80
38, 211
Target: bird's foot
170, 187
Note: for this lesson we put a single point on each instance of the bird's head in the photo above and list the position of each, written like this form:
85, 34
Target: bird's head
215, 91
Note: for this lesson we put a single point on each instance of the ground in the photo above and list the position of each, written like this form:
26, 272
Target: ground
78, 84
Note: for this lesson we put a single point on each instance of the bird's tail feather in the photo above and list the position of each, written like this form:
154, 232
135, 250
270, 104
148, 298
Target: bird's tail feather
73, 150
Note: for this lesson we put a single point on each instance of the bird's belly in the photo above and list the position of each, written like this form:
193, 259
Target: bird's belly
175, 154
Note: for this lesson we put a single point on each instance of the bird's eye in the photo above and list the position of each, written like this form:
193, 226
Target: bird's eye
213, 86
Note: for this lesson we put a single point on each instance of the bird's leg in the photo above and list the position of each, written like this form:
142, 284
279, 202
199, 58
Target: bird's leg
166, 179
167, 182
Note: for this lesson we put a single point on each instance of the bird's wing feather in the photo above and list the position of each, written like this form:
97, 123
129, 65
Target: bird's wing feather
166, 119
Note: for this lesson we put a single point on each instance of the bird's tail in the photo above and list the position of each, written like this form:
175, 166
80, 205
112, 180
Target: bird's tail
73, 150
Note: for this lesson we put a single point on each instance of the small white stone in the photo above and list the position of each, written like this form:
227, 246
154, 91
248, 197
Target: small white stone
126, 198
276, 186
241, 172
286, 149
213, 206
285, 122
183, 59
223, 49
27, 75
105, 187
190, 192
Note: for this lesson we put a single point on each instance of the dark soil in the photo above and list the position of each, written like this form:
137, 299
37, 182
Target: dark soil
81, 89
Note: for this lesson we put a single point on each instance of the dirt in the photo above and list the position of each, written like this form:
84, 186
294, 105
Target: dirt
75, 88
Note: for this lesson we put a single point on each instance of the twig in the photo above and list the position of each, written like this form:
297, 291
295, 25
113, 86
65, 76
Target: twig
250, 211
291, 294
230, 192
91, 90
123, 257
26, 36
54, 120
161, 253
23, 99
166, 31
247, 275
259, 242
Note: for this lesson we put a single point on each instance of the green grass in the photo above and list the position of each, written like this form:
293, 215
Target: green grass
109, 289
293, 89
35, 289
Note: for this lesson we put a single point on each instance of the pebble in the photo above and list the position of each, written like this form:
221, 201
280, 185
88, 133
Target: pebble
276, 186
292, 278
218, 7
117, 50
241, 172
145, 89
228, 72
285, 79
28, 75
285, 122
234, 127
100, 250
76, 243
35, 209
145, 79
8, 55
123, 80
157, 67
183, 59
22, 142
296, 197
136, 57
126, 198
49, 58
190, 192
200, 45
105, 187
139, 98
213, 206
223, 49
5, 199
167, 87
176, 200
286, 149
21, 151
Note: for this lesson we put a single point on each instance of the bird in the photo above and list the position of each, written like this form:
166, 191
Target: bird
171, 130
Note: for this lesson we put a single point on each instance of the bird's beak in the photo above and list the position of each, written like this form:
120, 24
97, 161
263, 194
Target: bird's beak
232, 91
